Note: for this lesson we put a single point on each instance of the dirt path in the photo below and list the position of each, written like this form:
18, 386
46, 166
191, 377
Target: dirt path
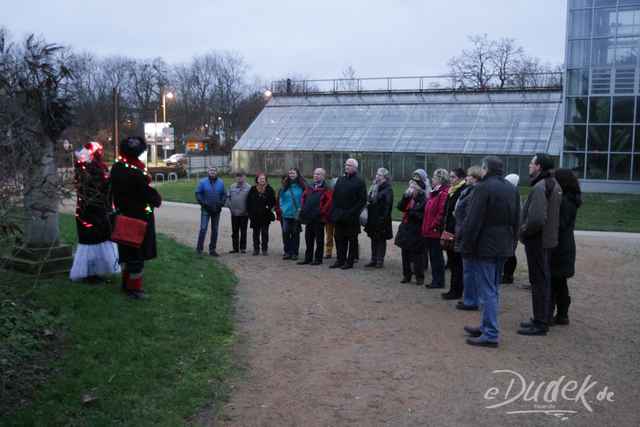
329, 347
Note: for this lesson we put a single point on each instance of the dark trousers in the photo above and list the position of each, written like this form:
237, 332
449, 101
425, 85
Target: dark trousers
261, 229
239, 232
559, 297
437, 261
314, 233
415, 257
291, 236
510, 266
378, 250
540, 280
346, 238
455, 265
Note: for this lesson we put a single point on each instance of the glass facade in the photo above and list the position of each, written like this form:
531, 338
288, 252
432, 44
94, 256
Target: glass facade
602, 114
402, 131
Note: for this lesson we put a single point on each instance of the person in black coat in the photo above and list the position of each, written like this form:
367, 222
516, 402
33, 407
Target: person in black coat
349, 197
458, 185
379, 228
134, 197
409, 237
563, 257
95, 253
260, 202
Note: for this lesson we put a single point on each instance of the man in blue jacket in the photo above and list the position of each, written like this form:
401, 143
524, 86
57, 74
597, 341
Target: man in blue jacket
211, 195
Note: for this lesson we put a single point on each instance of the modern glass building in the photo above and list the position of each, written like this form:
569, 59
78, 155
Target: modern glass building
402, 131
602, 109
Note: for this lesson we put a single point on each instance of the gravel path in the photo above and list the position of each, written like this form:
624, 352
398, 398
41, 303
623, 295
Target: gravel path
329, 347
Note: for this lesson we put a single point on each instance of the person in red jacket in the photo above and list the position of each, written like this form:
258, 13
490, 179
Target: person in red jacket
316, 202
431, 226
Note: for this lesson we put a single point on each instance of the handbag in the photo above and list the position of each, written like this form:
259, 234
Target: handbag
446, 240
128, 231
299, 217
364, 216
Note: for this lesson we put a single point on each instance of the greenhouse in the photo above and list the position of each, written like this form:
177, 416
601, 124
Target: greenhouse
402, 131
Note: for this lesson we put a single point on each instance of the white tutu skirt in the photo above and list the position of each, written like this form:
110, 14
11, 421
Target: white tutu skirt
93, 260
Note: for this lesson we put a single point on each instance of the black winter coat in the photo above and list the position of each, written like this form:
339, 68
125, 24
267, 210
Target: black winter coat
493, 220
349, 197
409, 235
448, 222
379, 213
132, 195
93, 204
259, 206
461, 209
563, 257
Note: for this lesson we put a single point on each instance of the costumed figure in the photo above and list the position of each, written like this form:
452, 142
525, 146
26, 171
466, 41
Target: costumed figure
134, 197
95, 254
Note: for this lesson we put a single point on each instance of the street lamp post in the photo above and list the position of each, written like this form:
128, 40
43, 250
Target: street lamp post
164, 117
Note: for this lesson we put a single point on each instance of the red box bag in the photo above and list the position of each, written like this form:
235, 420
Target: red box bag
128, 231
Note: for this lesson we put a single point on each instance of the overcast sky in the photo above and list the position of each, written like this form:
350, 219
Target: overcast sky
389, 38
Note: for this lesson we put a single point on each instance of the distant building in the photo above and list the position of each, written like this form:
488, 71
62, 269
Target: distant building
602, 113
402, 131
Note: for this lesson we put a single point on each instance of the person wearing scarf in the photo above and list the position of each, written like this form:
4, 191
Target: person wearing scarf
540, 220
457, 179
95, 253
409, 237
431, 226
260, 202
379, 228
134, 197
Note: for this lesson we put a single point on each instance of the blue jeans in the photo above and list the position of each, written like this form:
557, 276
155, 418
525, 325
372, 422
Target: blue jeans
291, 236
471, 298
489, 275
204, 223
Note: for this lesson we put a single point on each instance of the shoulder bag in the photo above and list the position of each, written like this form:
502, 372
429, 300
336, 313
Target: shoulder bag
299, 217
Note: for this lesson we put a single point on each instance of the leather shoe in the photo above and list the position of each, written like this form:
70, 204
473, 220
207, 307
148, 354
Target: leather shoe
346, 266
336, 264
474, 332
406, 280
255, 252
532, 330
560, 320
481, 342
294, 257
327, 256
448, 297
214, 254
371, 264
315, 262
463, 307
530, 323
419, 282
379, 264
506, 280
286, 256
243, 251
432, 286
303, 262
234, 251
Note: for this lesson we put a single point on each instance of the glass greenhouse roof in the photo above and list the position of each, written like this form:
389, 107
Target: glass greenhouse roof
501, 123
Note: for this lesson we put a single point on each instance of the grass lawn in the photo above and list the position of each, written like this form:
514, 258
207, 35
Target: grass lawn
141, 363
599, 211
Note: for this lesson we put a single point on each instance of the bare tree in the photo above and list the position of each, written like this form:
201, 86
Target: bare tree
505, 59
474, 67
32, 118
349, 81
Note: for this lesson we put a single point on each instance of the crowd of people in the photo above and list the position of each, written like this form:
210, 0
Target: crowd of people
475, 216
